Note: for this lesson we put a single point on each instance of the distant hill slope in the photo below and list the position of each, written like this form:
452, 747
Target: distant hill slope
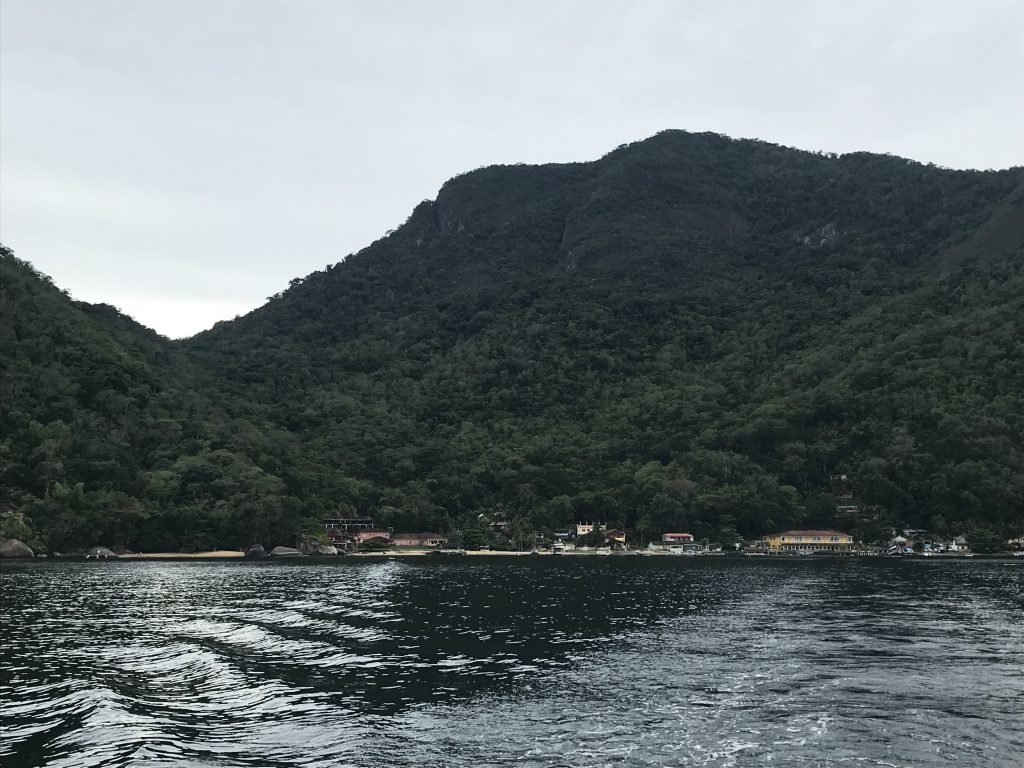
108, 434
690, 333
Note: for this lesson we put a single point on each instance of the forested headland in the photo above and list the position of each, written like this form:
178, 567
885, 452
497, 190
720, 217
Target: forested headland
691, 333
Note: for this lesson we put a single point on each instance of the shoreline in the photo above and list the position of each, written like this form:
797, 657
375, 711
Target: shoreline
229, 554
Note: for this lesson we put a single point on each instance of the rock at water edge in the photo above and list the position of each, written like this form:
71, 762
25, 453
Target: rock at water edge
285, 552
15, 548
309, 545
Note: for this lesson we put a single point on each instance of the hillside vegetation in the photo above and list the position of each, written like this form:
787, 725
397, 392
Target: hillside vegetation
691, 333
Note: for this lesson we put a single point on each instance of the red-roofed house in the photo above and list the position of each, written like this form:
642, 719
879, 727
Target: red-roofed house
351, 540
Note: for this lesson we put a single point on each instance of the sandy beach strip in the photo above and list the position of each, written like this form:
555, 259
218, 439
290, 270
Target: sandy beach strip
213, 554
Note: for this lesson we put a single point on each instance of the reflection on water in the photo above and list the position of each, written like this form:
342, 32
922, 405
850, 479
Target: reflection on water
539, 662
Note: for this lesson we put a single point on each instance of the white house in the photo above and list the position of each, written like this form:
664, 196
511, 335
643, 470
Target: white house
677, 538
582, 529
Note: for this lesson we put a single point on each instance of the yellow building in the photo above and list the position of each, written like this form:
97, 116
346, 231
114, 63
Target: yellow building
809, 541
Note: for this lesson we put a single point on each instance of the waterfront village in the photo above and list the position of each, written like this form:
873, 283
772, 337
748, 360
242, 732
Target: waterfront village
361, 535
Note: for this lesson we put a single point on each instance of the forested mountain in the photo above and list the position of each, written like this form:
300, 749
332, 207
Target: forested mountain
691, 333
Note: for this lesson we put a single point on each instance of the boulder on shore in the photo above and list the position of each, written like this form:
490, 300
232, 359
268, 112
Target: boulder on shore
309, 545
285, 552
15, 548
101, 553
255, 552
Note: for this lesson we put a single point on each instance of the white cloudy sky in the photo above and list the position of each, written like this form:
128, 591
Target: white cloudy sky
183, 159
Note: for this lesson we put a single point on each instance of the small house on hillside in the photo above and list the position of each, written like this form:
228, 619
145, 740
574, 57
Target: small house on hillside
338, 528
842, 494
582, 529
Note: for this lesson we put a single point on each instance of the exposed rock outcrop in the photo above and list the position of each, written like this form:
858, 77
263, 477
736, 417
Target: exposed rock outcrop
308, 545
10, 548
821, 237
255, 552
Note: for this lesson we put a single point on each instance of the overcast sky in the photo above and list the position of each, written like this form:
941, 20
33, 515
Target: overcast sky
182, 160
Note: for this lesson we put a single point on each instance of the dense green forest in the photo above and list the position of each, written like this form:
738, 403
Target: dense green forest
691, 333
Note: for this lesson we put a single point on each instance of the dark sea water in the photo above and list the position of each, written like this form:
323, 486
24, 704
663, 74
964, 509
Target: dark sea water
525, 661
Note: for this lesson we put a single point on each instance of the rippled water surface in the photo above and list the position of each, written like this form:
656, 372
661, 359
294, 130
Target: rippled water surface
525, 661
